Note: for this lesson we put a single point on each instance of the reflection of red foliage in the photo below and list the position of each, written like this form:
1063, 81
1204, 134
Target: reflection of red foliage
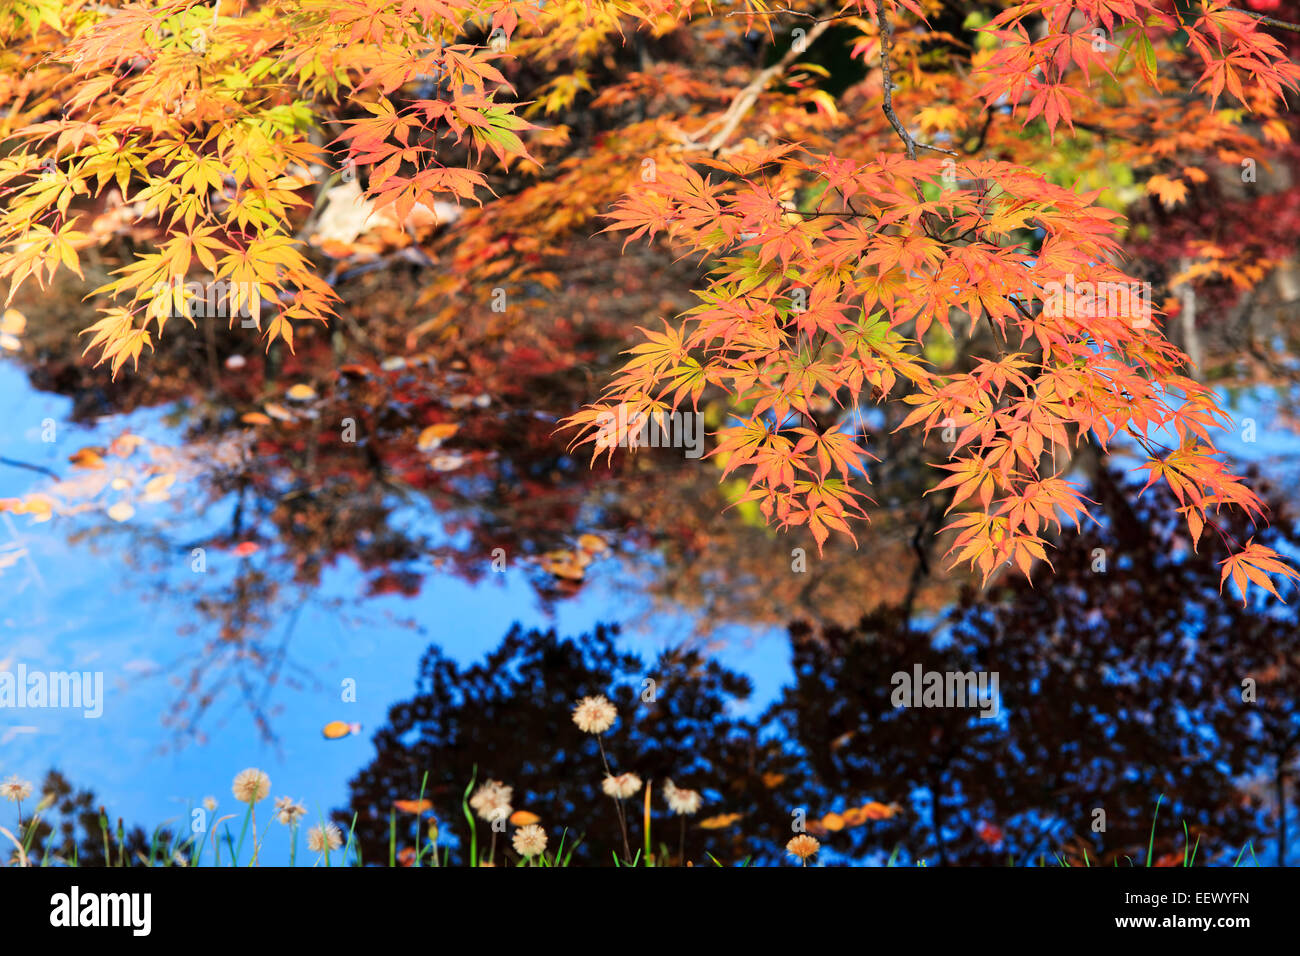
406, 583
1251, 227
989, 833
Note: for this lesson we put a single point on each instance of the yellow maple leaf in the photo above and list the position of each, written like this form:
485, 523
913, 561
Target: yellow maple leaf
1170, 191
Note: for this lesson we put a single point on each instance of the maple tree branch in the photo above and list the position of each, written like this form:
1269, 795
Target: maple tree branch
832, 213
983, 134
746, 98
886, 50
1270, 21
22, 464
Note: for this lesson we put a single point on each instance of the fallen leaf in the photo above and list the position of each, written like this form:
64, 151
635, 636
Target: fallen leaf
433, 436
301, 393
719, 822
877, 811
124, 444
412, 806
87, 458
446, 462
155, 489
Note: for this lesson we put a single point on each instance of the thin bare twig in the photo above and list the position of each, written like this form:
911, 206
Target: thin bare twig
886, 68
746, 98
22, 464
1280, 24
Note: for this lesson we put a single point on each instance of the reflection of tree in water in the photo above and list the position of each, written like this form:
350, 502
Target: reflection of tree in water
1119, 691
1117, 687
70, 830
510, 717
266, 463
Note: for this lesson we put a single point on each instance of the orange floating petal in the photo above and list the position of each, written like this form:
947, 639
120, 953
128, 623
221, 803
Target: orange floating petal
413, 806
336, 729
719, 822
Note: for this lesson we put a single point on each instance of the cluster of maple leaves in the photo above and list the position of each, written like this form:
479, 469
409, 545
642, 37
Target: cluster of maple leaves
835, 265
834, 291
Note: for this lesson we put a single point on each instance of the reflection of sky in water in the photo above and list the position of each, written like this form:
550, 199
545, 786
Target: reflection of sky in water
77, 607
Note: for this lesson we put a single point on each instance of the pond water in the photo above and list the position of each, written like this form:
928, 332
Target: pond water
242, 572
75, 605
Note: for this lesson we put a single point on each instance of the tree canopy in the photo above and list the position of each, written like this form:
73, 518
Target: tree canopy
903, 208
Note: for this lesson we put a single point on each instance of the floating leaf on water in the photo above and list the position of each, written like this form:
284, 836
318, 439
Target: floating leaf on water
877, 811
122, 511
719, 822
40, 507
155, 489
337, 729
124, 444
433, 436
301, 393
88, 458
446, 462
412, 806
562, 564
